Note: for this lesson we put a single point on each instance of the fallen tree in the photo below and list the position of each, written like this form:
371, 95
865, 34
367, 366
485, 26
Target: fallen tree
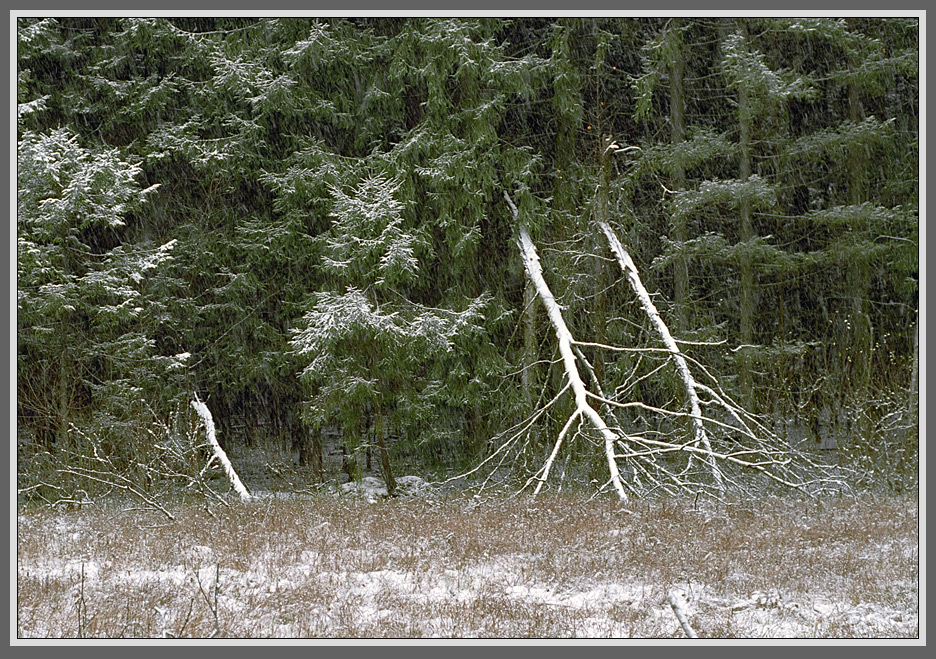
582, 406
727, 440
682, 367
154, 461
217, 453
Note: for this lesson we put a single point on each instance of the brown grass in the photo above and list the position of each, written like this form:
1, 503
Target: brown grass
459, 567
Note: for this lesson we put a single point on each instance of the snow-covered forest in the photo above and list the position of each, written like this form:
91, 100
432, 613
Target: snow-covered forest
635, 255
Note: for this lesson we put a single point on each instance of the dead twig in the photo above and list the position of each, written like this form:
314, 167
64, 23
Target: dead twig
212, 606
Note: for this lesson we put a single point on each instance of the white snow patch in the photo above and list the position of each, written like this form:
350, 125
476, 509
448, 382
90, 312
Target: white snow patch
369, 487
372, 488
380, 597
373, 598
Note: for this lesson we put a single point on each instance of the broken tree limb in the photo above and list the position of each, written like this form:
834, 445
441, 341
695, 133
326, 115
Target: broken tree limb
564, 336
678, 604
218, 452
724, 440
682, 368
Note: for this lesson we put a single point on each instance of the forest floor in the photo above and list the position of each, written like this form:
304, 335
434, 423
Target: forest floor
351, 565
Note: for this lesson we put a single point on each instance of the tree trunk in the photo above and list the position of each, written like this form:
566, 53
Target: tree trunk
528, 378
678, 136
599, 308
746, 327
384, 455
218, 452
914, 377
63, 400
582, 406
858, 276
682, 367
311, 452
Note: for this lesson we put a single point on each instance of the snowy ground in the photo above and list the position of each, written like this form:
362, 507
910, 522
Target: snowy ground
383, 598
321, 584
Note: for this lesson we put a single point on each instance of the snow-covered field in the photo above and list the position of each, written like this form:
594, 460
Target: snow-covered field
353, 565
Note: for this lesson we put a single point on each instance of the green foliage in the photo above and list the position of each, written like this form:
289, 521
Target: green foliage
747, 68
369, 241
701, 147
371, 351
224, 204
714, 193
84, 312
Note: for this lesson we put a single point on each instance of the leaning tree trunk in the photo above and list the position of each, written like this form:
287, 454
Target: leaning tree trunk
682, 367
564, 336
218, 452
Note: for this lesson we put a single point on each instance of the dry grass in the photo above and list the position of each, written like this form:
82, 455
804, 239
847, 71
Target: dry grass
458, 567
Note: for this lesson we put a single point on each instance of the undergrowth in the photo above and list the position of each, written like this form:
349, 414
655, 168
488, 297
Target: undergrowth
460, 566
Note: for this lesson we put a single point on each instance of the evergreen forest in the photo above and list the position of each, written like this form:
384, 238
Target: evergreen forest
329, 231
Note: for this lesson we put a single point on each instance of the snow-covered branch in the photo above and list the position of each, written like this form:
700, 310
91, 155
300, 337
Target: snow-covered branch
724, 440
682, 368
218, 452
564, 336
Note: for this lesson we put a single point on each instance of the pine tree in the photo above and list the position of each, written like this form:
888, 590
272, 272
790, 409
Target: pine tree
85, 314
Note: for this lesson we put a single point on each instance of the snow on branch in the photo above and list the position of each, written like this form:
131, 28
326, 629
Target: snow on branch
219, 453
564, 336
682, 368
724, 441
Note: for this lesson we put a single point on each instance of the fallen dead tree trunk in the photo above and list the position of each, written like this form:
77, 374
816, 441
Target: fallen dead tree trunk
218, 452
723, 446
678, 603
582, 406
682, 368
